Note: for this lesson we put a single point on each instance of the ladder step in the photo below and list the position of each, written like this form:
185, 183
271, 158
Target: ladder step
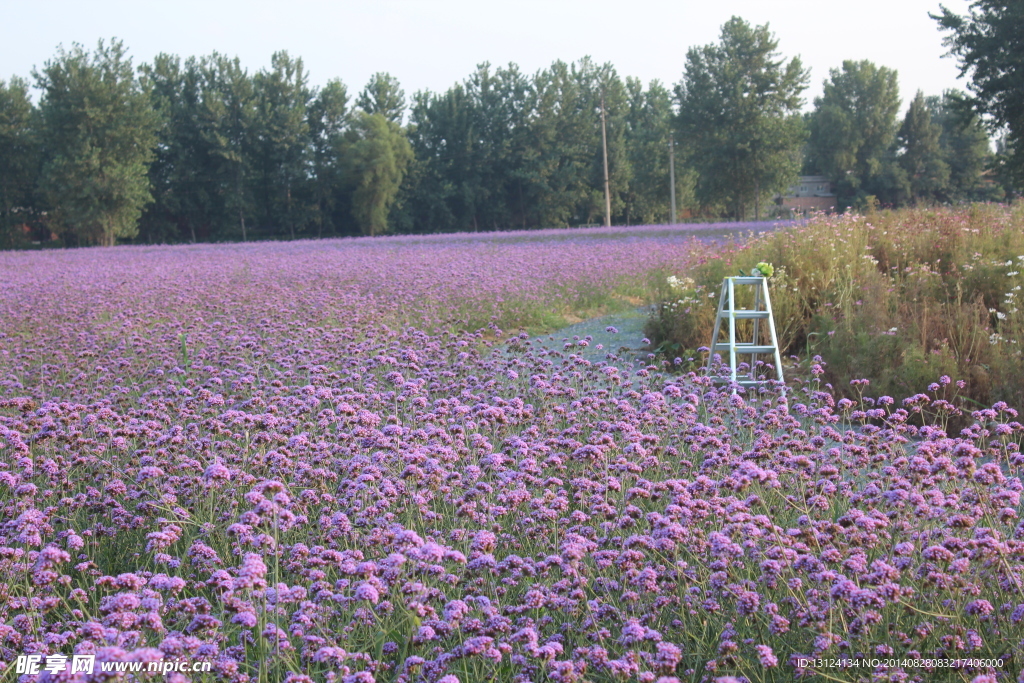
744, 314
747, 280
741, 382
746, 348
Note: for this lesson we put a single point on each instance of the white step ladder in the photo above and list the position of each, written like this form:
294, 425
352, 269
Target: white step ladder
727, 311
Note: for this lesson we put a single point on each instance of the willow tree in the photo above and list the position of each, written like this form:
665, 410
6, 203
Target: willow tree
378, 157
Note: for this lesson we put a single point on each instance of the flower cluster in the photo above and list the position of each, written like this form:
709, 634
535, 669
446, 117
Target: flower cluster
246, 455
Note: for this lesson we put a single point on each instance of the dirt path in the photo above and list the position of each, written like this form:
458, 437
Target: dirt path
626, 341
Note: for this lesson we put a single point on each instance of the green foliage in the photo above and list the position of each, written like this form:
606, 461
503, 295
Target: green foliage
921, 155
684, 321
501, 150
988, 48
567, 167
243, 155
852, 129
19, 160
738, 114
648, 132
328, 118
938, 153
237, 156
383, 95
965, 148
227, 113
99, 131
282, 136
181, 176
463, 141
378, 157
899, 298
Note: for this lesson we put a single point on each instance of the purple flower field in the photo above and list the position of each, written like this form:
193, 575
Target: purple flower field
344, 461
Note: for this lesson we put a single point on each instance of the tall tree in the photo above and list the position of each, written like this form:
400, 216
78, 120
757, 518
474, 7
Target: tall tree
446, 133
565, 163
648, 134
328, 118
852, 128
965, 148
227, 117
470, 144
99, 130
566, 135
383, 95
510, 120
378, 157
281, 130
18, 159
428, 188
920, 154
185, 202
989, 45
738, 117
495, 122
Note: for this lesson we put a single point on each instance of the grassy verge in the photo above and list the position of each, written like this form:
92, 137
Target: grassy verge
899, 298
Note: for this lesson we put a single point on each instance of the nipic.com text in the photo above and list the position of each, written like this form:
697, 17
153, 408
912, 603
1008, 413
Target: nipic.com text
86, 664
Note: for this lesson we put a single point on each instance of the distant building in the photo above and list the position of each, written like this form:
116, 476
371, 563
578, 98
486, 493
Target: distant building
811, 193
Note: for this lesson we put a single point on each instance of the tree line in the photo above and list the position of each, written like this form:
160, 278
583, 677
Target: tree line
199, 149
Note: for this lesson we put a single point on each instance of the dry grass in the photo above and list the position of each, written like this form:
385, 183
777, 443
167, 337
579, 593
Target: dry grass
899, 298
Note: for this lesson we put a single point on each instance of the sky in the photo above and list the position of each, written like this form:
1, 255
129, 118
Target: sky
432, 44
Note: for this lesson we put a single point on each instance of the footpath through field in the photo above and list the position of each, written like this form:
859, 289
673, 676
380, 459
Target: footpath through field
626, 341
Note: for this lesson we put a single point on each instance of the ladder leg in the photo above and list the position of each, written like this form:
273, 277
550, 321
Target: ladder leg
732, 329
756, 321
718, 324
771, 326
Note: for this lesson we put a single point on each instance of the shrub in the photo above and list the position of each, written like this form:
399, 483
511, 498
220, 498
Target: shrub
897, 297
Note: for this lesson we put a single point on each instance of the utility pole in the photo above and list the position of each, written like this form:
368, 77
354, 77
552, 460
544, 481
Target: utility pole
607, 191
672, 172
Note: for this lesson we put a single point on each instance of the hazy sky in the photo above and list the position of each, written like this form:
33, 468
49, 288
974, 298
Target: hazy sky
431, 44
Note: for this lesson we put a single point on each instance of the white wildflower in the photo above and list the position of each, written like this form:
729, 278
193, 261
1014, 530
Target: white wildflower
677, 283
